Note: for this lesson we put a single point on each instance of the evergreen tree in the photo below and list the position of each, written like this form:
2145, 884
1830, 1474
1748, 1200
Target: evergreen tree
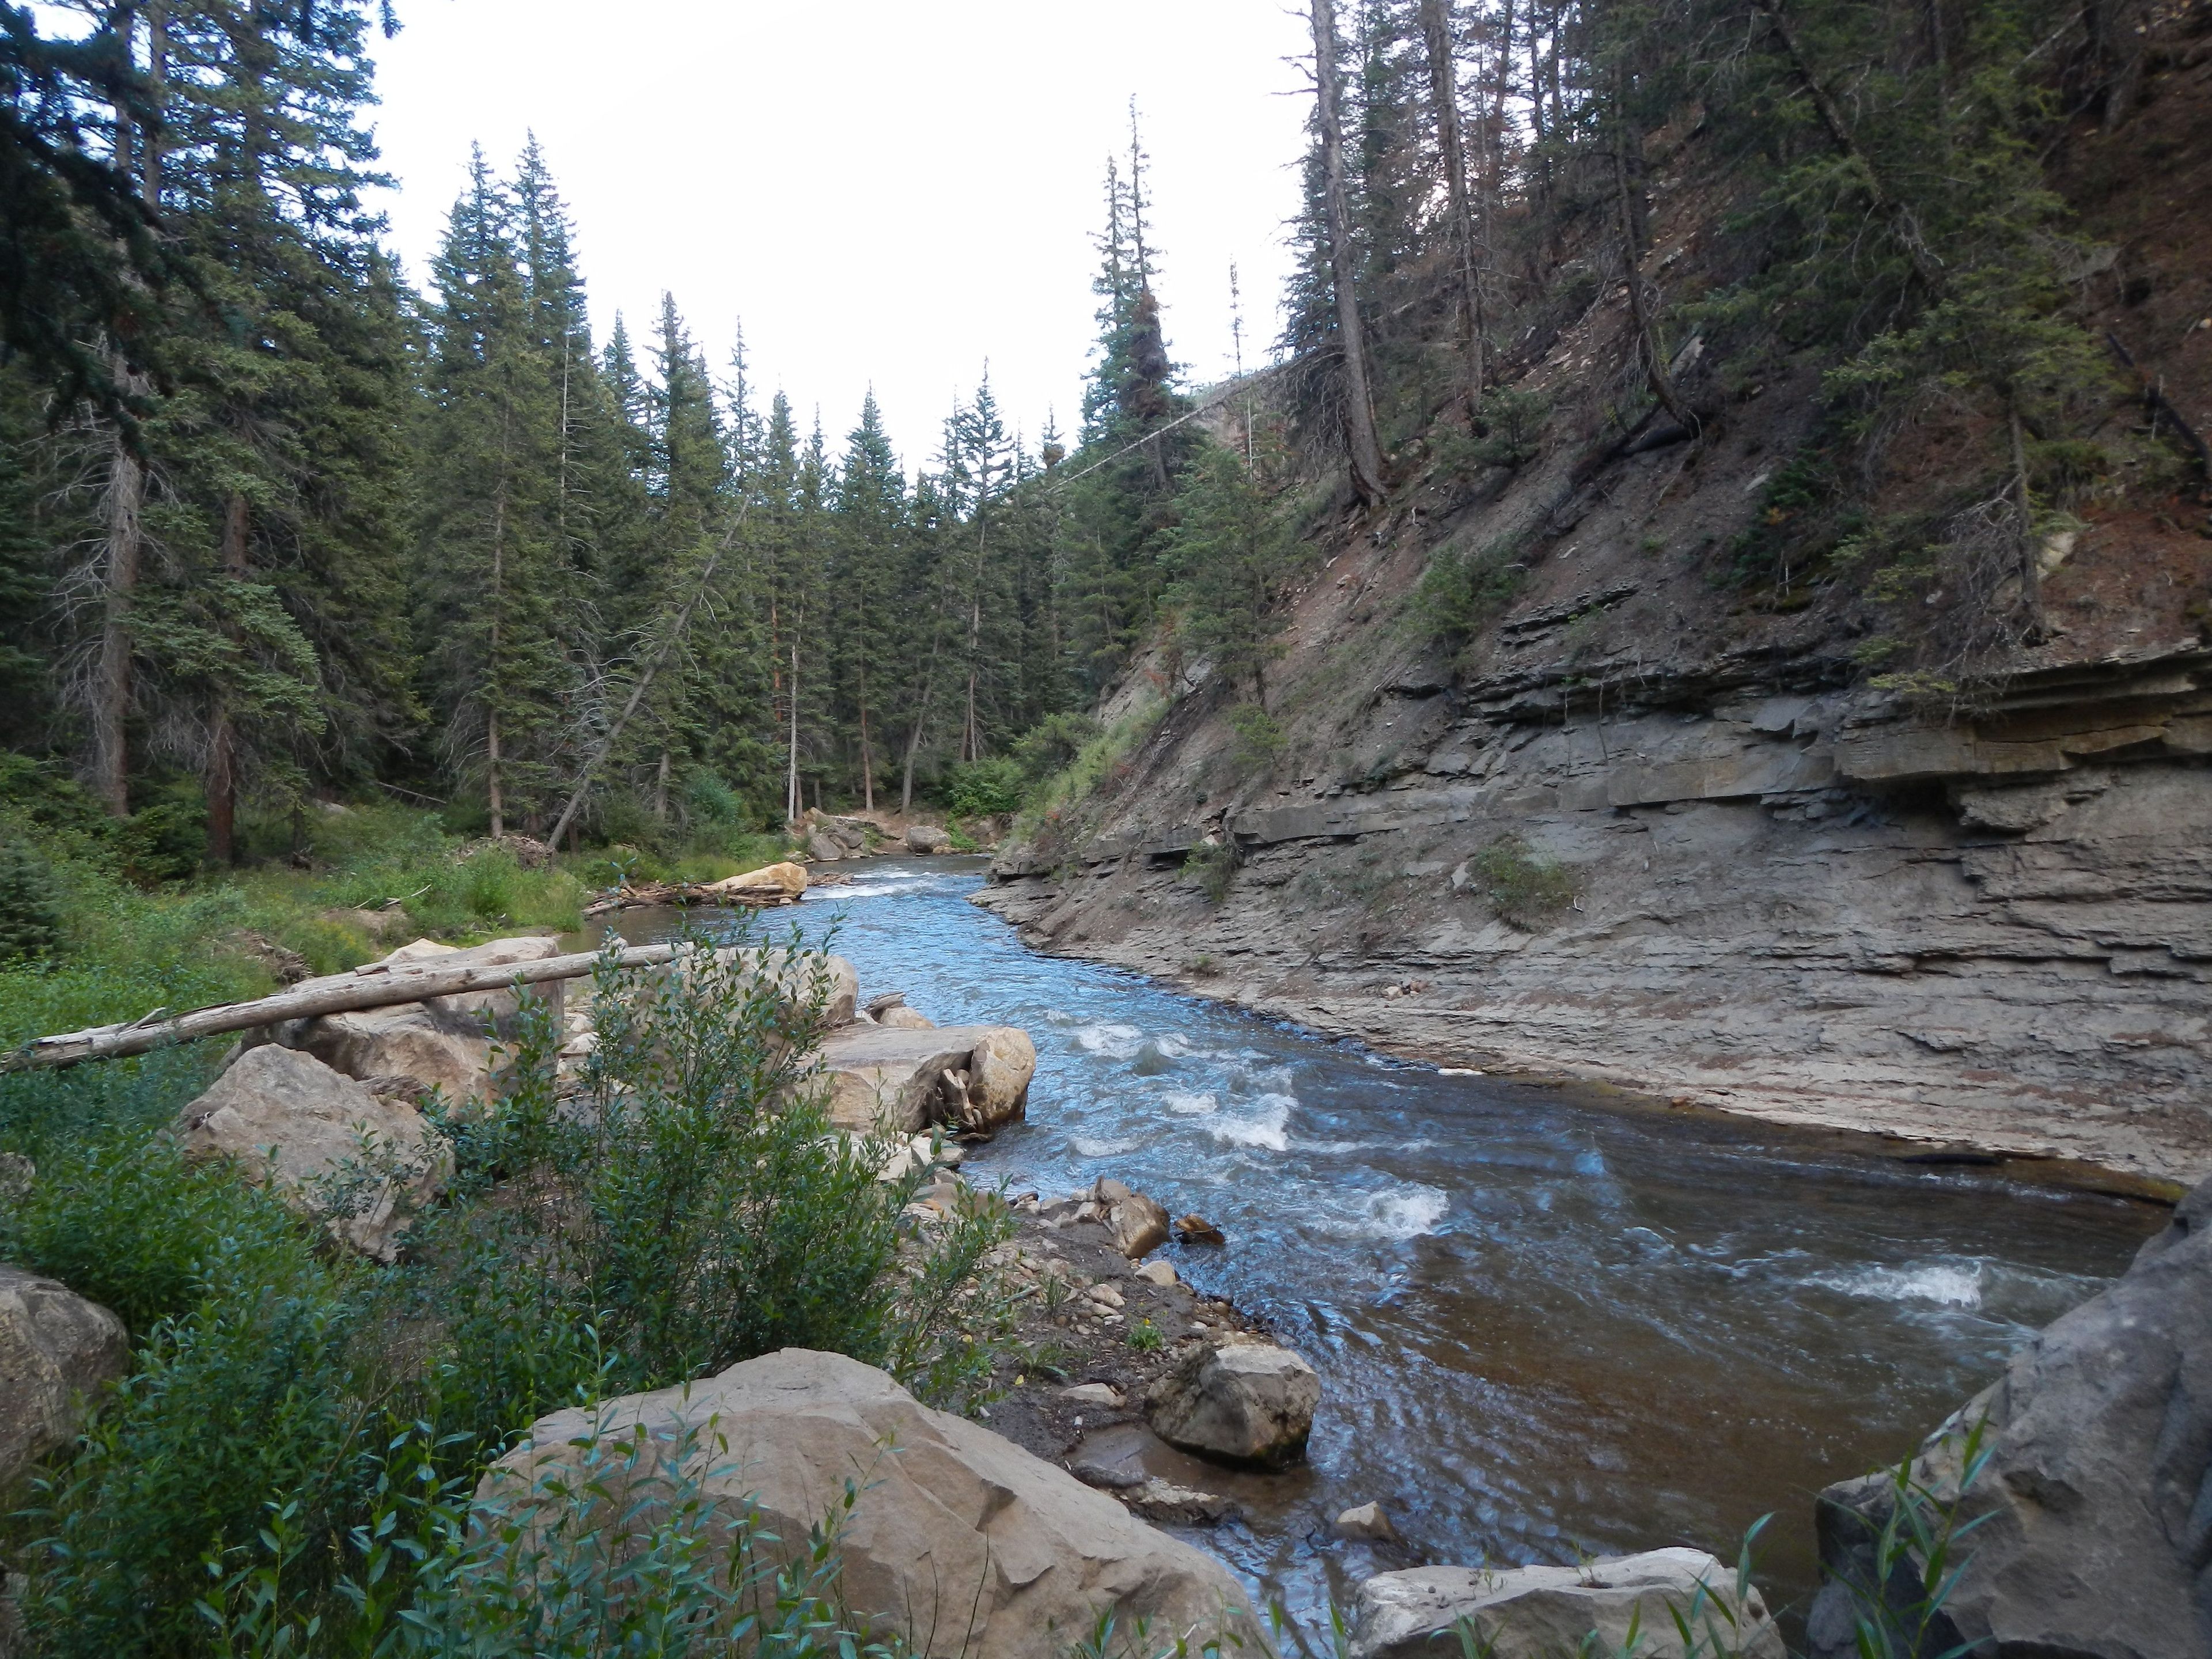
867, 537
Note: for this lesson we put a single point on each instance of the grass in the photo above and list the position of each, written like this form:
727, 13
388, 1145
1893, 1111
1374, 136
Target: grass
1522, 886
1073, 783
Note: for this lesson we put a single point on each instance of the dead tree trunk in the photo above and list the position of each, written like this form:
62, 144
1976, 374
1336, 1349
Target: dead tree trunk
1443, 94
1366, 453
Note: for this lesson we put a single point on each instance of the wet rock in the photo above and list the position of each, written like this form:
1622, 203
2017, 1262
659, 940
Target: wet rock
1167, 1504
2092, 1509
56, 1349
1138, 1225
1248, 1402
1197, 1230
1537, 1613
1367, 1522
927, 839
942, 1502
363, 1162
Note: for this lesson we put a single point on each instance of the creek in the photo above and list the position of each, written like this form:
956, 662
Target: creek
1548, 1320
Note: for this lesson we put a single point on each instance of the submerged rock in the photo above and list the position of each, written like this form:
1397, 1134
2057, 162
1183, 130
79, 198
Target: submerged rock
952, 1528
2091, 1496
1540, 1613
56, 1350
286, 1119
1248, 1402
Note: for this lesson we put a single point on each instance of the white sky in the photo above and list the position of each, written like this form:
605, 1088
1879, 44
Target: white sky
884, 191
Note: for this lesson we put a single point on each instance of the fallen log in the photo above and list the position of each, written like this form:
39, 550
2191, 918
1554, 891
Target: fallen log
375, 985
657, 893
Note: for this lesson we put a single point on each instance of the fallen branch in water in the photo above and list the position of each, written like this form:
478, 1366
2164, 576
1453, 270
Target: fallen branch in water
375, 985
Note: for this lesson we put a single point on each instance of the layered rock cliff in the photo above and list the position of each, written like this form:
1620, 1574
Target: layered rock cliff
1973, 909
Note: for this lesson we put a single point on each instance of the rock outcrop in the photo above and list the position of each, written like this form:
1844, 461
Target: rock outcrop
969, 1077
1243, 1402
954, 1532
2090, 1499
56, 1350
1541, 1613
363, 1162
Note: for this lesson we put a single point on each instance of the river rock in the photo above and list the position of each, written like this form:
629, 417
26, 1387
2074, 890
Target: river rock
773, 881
952, 1528
1248, 1402
56, 1349
1167, 1504
2093, 1510
971, 1077
824, 847
287, 1119
1540, 1613
927, 838
1367, 1522
1138, 1225
903, 1019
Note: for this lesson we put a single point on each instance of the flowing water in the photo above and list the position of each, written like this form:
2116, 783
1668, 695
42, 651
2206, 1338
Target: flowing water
1545, 1322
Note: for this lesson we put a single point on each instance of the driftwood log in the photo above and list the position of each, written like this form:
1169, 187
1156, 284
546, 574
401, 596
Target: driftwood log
375, 985
661, 892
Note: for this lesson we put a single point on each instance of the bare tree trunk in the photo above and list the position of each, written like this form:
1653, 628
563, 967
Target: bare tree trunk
660, 789
1366, 453
110, 708
2030, 573
491, 775
791, 806
867, 755
920, 718
1632, 260
221, 787
1443, 93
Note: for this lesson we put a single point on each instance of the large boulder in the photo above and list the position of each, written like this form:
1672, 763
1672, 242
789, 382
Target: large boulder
444, 1043
770, 882
2090, 1493
56, 1350
1245, 1402
927, 838
971, 1077
1139, 1225
1543, 1613
953, 1531
364, 1161
825, 847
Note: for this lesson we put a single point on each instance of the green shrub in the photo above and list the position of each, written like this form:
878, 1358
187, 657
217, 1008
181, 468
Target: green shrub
1052, 746
986, 789
1213, 866
1523, 887
30, 903
1461, 595
1508, 430
713, 801
1258, 739
1092, 762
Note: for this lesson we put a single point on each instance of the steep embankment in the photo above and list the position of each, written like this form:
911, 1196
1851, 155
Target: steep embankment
1984, 921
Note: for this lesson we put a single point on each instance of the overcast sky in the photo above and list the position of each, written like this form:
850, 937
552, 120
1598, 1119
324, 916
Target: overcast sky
885, 192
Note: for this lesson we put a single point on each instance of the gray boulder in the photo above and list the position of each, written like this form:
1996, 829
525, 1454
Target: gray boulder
363, 1162
953, 1532
1248, 1402
1545, 1613
927, 838
56, 1350
2091, 1489
825, 847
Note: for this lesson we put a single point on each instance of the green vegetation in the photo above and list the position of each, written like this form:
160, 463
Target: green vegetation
1213, 866
294, 1448
1259, 740
1095, 761
1524, 887
1461, 593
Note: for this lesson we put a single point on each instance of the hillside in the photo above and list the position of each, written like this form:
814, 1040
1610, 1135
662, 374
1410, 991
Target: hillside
1703, 797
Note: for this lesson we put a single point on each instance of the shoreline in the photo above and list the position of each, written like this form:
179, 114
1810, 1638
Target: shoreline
1377, 1025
